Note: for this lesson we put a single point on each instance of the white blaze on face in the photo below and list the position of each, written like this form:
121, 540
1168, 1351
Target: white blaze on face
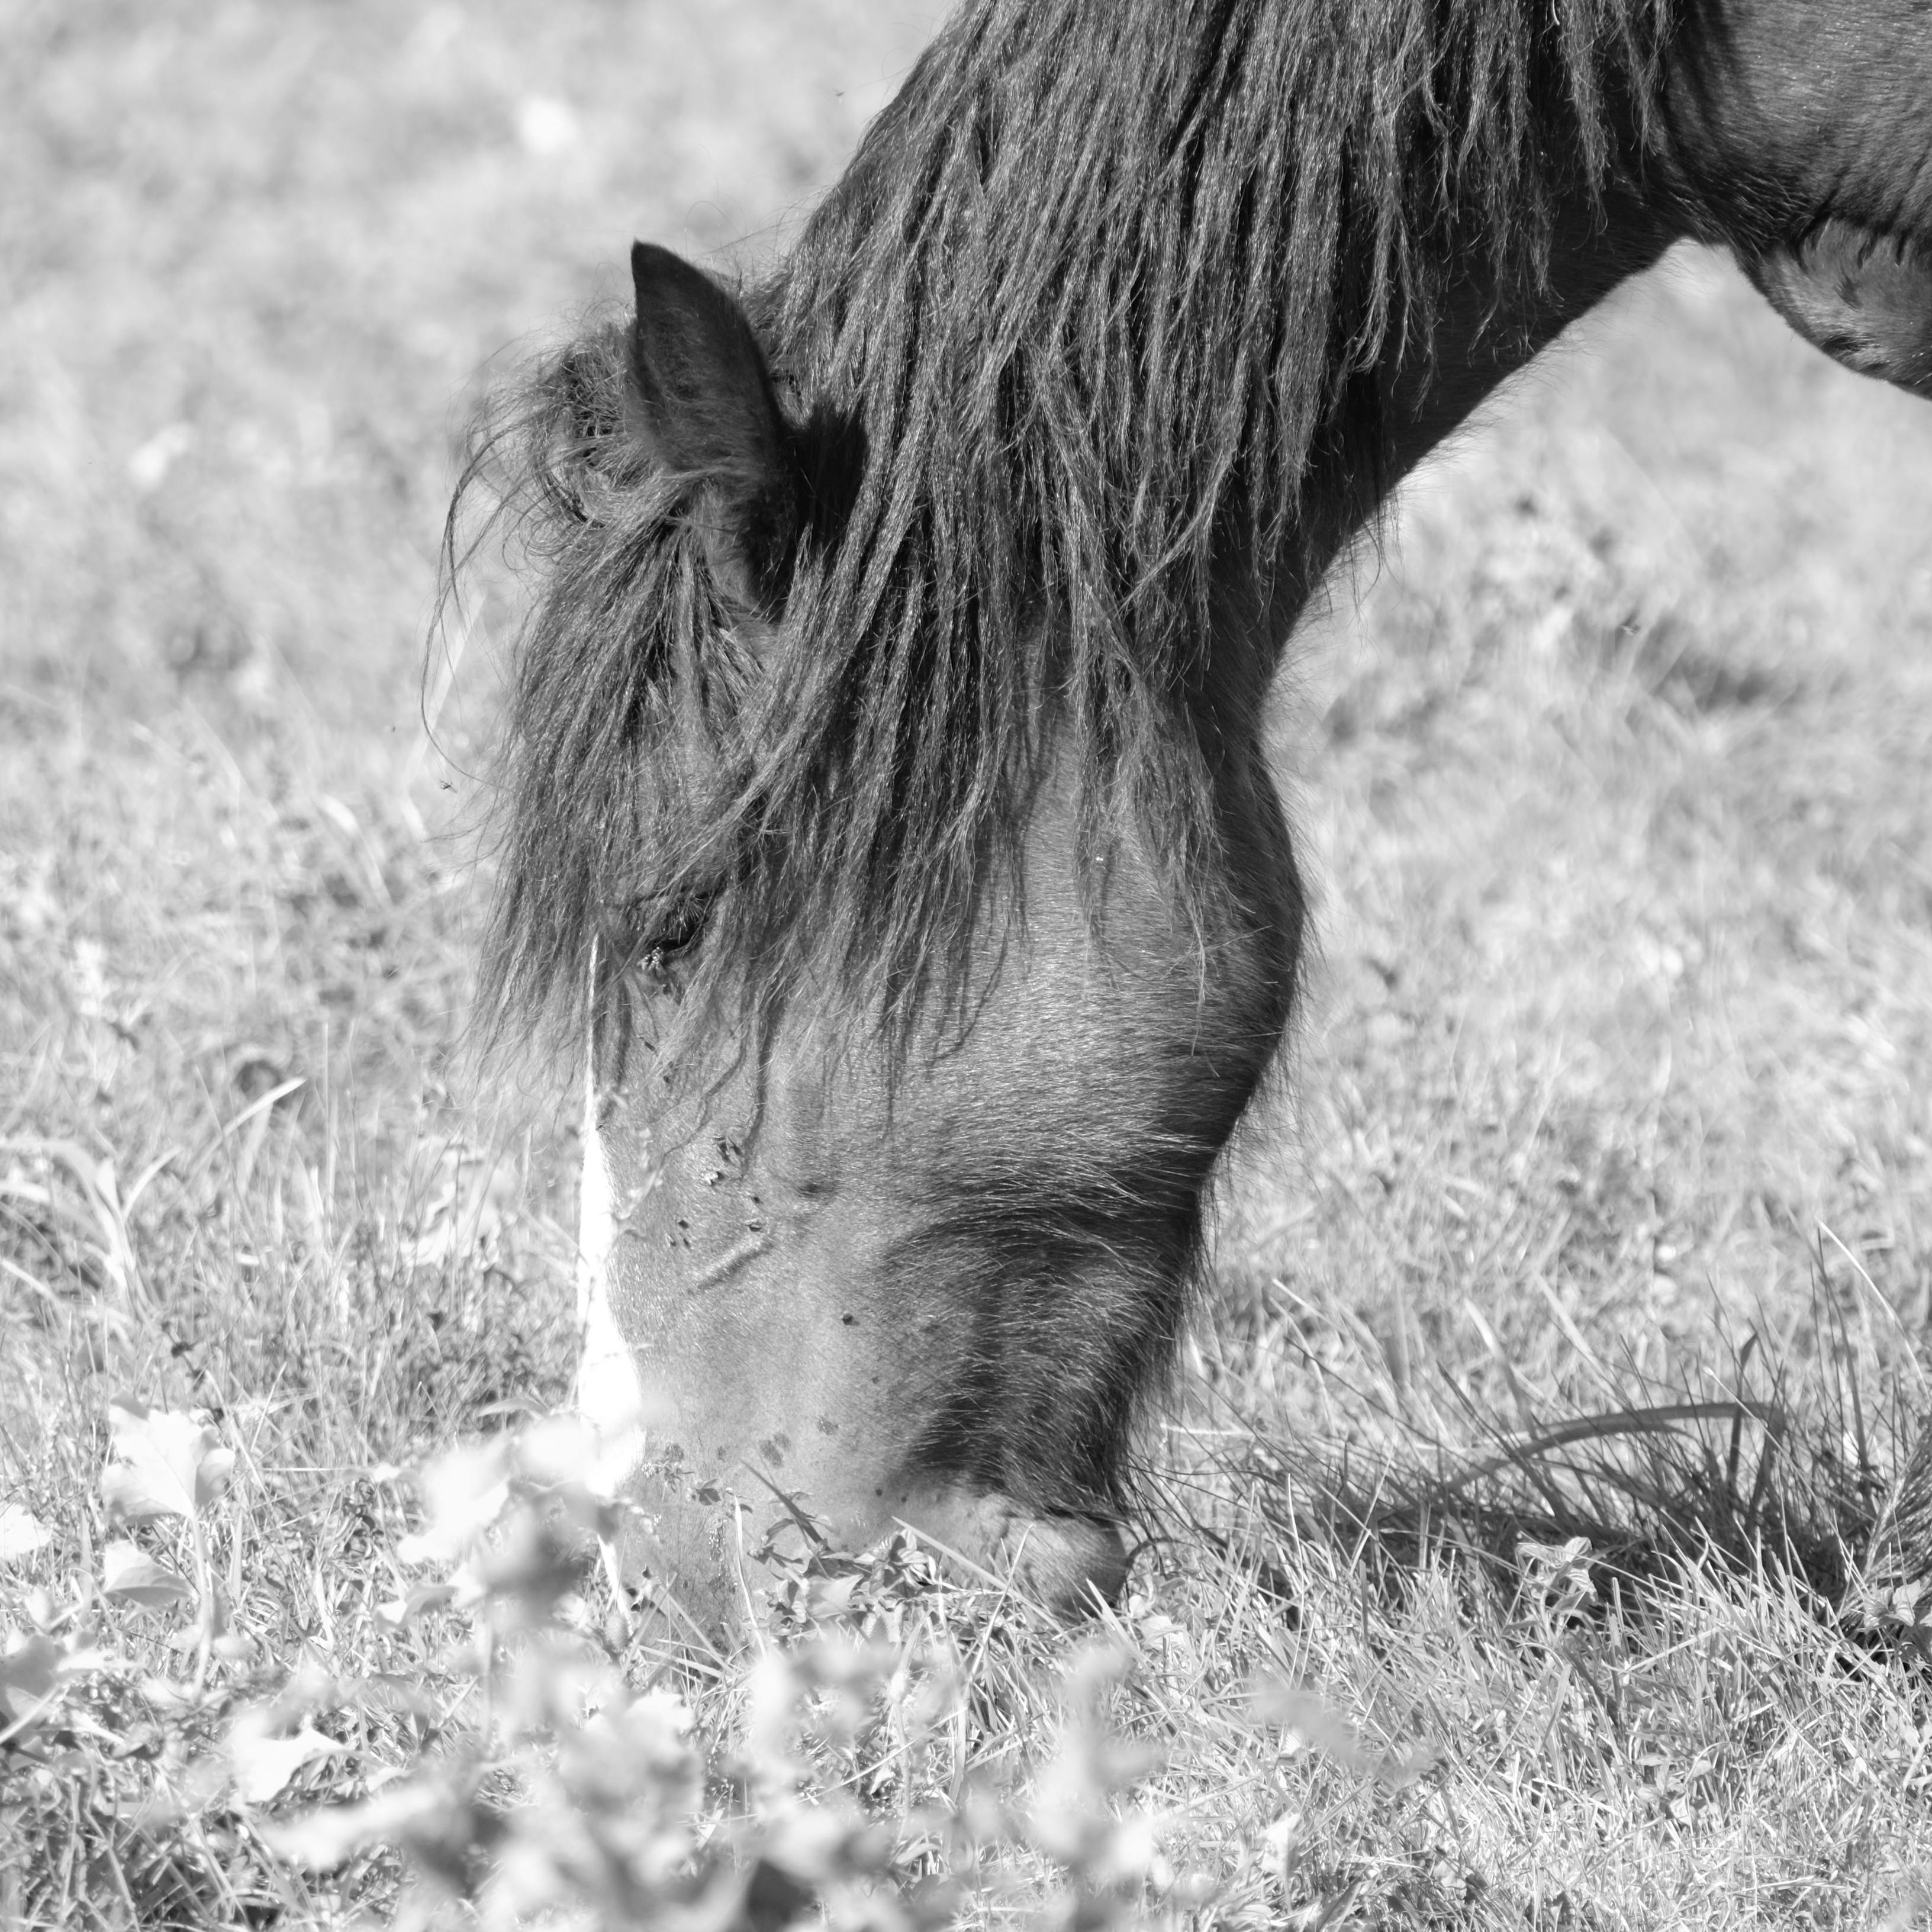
609, 1397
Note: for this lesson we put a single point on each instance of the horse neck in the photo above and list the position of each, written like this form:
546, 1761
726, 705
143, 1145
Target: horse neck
1483, 334
1482, 331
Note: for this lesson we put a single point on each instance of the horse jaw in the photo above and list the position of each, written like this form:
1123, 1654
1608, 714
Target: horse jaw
1862, 296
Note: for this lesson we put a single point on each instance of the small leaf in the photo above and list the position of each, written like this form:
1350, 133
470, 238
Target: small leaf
28, 1674
22, 1533
264, 1764
464, 1491
400, 1610
422, 1815
212, 1477
322, 1839
167, 1463
128, 1571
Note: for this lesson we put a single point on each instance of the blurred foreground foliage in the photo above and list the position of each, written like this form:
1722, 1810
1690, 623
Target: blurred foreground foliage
499, 1737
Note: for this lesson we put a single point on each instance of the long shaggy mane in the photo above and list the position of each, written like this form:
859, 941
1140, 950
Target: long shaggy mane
1078, 345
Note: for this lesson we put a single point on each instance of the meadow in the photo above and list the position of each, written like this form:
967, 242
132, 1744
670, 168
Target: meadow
1528, 1540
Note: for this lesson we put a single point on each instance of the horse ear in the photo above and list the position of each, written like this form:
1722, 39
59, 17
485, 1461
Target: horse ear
703, 406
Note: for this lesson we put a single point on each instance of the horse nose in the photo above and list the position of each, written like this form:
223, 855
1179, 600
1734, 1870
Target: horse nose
1068, 1564
701, 1567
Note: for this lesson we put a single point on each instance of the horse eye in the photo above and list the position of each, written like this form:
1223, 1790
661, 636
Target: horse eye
672, 935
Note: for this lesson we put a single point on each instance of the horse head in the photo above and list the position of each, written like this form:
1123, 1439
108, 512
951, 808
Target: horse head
888, 816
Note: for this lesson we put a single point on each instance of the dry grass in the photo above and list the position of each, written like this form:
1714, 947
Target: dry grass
1518, 1547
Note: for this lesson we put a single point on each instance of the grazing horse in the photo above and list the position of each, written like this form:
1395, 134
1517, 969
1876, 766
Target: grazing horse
885, 819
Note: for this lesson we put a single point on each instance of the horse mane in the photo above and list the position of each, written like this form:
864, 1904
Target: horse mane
1085, 338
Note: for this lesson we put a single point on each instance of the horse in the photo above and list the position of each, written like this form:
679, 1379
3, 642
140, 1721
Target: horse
887, 832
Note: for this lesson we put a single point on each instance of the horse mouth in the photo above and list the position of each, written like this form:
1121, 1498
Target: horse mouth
1862, 295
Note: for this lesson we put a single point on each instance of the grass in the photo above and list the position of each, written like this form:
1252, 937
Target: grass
1521, 1544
